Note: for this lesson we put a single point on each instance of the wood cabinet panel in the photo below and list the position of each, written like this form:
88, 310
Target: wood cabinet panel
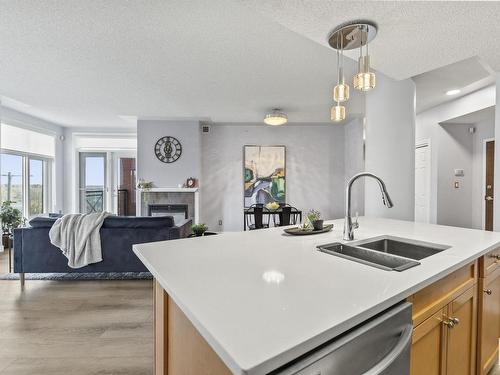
179, 347
489, 321
428, 346
489, 263
461, 350
188, 352
434, 297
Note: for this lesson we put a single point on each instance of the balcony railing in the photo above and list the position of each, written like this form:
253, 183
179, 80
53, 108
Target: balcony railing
94, 201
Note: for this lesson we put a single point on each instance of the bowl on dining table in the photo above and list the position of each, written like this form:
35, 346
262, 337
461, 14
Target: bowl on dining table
272, 206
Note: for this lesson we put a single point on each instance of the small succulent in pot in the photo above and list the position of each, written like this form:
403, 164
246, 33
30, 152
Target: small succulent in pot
315, 219
199, 229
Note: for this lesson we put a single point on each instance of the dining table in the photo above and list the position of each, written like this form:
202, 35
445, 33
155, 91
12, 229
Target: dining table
270, 212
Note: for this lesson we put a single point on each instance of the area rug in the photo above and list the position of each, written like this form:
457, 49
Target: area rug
80, 276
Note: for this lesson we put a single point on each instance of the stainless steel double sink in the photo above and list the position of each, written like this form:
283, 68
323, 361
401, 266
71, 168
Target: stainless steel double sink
386, 252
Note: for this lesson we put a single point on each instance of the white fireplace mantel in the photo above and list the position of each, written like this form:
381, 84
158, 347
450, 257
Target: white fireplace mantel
194, 191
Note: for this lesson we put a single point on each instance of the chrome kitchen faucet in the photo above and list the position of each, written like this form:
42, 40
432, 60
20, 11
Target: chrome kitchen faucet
348, 224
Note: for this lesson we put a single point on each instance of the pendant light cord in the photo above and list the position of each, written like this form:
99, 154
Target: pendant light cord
342, 53
338, 72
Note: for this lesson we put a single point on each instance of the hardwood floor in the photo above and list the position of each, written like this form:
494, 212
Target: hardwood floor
76, 327
4, 262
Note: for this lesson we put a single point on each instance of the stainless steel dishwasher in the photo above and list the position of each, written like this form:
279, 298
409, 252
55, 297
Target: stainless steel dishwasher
379, 346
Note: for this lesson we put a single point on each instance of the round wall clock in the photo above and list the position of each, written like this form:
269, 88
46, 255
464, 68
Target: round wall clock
168, 149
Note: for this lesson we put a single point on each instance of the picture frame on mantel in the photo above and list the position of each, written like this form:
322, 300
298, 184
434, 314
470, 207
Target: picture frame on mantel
264, 174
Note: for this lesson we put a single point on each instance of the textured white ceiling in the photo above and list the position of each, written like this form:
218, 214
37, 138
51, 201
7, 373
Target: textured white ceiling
414, 36
100, 63
103, 63
468, 75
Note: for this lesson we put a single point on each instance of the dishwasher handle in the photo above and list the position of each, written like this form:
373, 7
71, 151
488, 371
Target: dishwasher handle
394, 354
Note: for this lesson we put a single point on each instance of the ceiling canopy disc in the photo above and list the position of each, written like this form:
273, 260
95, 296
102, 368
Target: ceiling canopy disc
353, 34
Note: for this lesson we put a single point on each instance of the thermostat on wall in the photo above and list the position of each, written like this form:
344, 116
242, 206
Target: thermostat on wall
459, 172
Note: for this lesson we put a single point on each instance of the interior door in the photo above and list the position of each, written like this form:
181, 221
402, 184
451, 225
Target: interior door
93, 178
489, 185
422, 183
124, 183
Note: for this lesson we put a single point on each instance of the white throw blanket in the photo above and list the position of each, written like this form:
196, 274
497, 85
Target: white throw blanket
77, 235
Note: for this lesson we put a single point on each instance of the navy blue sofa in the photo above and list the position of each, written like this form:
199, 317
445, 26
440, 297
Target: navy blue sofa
33, 252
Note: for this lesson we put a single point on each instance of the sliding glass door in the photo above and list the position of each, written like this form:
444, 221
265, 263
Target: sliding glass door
93, 181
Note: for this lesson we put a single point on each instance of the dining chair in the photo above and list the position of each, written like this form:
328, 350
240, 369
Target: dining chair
258, 217
288, 216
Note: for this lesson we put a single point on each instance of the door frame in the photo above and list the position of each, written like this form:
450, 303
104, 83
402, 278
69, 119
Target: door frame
114, 157
483, 183
425, 142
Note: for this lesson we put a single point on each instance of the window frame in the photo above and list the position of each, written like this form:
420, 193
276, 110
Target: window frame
47, 168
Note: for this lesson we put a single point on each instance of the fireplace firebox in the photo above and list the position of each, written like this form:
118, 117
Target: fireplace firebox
178, 211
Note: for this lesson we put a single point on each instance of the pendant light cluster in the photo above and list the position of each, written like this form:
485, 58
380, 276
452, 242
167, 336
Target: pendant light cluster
346, 37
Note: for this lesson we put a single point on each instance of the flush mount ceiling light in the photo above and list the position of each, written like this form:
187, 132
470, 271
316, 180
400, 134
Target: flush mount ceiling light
351, 35
453, 92
276, 118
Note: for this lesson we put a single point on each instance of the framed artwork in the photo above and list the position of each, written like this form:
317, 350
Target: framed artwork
264, 175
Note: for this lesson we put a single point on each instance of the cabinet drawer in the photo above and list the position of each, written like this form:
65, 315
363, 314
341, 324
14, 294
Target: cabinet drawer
437, 295
489, 262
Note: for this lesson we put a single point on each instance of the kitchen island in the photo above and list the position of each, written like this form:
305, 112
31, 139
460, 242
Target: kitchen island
261, 299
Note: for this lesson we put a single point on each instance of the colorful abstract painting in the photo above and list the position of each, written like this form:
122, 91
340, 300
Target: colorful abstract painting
264, 174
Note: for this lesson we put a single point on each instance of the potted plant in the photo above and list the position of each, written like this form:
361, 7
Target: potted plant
11, 217
145, 186
315, 219
199, 229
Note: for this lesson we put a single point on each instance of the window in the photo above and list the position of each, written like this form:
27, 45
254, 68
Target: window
12, 188
26, 160
35, 181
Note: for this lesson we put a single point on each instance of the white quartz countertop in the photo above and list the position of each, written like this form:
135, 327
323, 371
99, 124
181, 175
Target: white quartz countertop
261, 298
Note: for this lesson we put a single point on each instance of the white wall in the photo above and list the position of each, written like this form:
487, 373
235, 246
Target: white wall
13, 117
427, 127
162, 174
354, 163
314, 168
454, 206
390, 143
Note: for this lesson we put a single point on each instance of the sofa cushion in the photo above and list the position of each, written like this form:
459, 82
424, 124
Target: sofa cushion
138, 222
42, 222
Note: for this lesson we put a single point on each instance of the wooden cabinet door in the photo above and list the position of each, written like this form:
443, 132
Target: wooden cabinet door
489, 321
461, 346
429, 346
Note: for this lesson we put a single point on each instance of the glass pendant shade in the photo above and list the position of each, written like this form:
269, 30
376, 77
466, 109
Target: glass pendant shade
338, 113
341, 92
364, 80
